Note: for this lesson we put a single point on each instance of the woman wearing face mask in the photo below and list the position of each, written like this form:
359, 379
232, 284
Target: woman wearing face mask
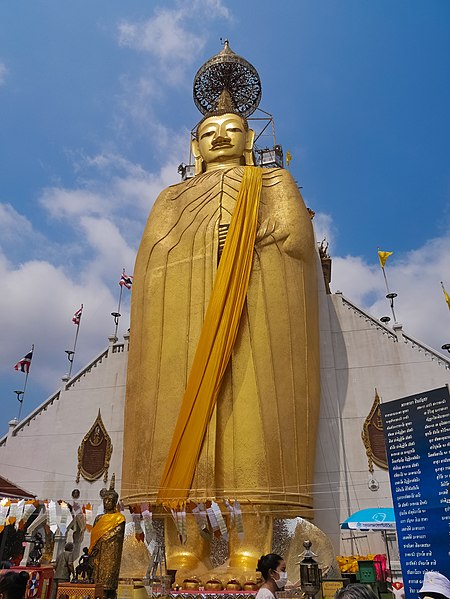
273, 570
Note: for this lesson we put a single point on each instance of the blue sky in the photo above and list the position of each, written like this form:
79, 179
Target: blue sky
95, 113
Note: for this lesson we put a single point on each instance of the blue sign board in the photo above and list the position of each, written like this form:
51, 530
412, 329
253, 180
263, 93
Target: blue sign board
417, 434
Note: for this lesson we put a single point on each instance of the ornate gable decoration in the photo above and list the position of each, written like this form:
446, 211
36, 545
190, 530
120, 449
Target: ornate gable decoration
373, 437
95, 452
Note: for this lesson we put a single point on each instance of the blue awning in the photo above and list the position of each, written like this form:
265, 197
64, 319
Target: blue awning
373, 518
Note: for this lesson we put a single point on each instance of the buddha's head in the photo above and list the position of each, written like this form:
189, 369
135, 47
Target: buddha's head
110, 497
222, 139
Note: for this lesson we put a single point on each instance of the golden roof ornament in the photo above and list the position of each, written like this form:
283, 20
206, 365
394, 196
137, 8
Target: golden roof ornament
227, 72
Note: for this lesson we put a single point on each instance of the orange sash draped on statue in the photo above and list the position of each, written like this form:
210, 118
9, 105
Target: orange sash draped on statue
103, 526
215, 344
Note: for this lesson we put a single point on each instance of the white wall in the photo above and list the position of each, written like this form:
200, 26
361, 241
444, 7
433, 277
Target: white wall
359, 354
41, 455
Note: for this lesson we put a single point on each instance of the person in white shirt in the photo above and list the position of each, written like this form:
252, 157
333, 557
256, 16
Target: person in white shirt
273, 570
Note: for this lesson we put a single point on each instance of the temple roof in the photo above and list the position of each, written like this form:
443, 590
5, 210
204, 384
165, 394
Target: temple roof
9, 489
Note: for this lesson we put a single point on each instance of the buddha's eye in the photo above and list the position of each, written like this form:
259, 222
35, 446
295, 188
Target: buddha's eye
234, 129
207, 134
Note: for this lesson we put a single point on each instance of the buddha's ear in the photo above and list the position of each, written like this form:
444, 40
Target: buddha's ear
197, 156
248, 150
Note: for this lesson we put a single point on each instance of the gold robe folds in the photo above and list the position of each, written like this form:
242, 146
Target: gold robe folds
260, 441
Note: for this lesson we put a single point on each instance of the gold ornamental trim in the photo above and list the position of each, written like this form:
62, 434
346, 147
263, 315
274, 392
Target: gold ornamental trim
94, 452
373, 437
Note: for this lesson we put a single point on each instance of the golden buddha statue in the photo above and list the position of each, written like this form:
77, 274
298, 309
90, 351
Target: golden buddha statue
105, 550
223, 390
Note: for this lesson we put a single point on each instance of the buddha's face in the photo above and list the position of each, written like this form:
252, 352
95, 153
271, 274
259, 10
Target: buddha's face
222, 139
109, 502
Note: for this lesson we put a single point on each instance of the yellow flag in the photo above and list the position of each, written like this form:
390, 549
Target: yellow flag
446, 295
288, 158
383, 256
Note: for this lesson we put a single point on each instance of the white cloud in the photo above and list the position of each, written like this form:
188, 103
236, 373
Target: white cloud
110, 186
164, 36
104, 219
323, 227
63, 203
12, 224
19, 240
3, 73
173, 39
169, 43
44, 298
110, 250
212, 9
415, 277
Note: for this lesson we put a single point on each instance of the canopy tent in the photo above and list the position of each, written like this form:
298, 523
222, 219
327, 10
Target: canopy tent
374, 518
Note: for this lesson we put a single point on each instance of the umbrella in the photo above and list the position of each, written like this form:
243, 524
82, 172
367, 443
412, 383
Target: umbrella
373, 518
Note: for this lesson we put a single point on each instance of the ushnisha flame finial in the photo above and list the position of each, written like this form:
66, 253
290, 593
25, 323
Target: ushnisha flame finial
225, 102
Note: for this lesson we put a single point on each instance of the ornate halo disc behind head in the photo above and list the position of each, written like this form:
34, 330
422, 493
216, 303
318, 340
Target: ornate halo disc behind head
227, 70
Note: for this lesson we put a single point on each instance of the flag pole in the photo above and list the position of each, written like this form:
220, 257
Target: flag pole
116, 315
446, 346
390, 296
24, 387
385, 279
71, 355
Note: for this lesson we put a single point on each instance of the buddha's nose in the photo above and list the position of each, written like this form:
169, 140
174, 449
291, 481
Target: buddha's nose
220, 139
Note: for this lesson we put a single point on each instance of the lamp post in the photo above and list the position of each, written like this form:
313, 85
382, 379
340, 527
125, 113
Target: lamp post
310, 573
116, 316
70, 355
391, 297
20, 400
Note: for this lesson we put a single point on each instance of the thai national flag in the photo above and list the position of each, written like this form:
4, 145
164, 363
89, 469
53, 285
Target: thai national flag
126, 280
77, 316
24, 364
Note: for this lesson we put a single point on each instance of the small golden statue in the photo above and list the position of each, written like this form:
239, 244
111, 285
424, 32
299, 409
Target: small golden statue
105, 550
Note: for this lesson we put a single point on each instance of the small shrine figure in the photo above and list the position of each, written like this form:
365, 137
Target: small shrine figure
105, 550
36, 552
84, 569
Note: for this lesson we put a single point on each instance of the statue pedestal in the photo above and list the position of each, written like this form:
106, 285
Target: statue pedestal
67, 590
